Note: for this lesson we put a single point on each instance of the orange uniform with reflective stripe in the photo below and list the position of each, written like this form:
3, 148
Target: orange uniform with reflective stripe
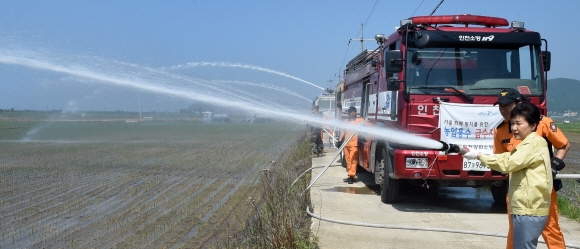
351, 149
503, 141
354, 140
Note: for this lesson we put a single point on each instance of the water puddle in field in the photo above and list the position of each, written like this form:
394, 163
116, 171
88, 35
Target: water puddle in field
172, 84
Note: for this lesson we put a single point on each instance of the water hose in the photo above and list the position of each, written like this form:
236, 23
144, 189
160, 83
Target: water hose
430, 229
327, 132
450, 148
332, 160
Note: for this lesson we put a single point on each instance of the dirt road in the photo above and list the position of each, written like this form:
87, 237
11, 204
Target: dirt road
463, 209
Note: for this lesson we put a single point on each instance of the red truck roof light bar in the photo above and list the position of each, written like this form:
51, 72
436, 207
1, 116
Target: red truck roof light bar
466, 19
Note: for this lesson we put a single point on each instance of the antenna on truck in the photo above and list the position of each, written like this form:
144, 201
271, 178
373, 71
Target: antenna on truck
433, 12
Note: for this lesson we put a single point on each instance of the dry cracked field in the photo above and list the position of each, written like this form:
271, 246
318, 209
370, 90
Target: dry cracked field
132, 185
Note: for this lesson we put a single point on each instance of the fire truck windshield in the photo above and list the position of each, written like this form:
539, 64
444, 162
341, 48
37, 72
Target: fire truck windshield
326, 104
474, 71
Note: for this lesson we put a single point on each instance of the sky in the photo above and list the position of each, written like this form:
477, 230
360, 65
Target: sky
56, 54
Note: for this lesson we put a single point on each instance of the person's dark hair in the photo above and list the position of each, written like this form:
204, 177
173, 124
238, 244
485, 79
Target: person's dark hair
351, 109
529, 111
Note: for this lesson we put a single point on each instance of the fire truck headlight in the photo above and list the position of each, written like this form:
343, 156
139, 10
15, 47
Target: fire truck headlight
415, 163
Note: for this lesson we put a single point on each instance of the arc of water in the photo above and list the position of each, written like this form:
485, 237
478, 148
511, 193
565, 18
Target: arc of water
245, 66
207, 84
280, 89
382, 133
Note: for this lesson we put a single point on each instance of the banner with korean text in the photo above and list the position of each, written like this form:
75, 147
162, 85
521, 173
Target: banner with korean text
469, 125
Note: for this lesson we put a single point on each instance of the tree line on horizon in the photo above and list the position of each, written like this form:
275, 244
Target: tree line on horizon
562, 95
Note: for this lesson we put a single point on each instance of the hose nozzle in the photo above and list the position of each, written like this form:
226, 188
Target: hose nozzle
453, 148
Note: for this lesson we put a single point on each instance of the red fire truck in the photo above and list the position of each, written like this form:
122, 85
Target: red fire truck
439, 77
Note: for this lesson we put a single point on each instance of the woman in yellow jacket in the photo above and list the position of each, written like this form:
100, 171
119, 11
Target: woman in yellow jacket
530, 176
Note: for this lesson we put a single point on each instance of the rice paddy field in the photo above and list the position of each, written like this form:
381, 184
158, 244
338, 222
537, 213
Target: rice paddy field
571, 190
89, 184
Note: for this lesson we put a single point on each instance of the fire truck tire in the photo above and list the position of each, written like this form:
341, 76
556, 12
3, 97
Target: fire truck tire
499, 193
390, 188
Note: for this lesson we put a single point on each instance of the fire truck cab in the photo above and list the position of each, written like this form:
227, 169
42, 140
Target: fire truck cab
326, 103
439, 77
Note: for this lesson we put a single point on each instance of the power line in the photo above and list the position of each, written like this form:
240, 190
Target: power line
344, 59
436, 7
417, 8
376, 2
371, 13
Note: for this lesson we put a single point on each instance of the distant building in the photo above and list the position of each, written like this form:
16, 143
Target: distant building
218, 117
570, 114
258, 118
207, 116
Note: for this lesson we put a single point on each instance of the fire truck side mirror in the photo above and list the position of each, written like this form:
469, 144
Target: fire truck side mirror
546, 59
393, 84
393, 61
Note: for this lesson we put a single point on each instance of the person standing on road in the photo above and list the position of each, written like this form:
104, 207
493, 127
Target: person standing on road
351, 148
530, 175
316, 133
504, 141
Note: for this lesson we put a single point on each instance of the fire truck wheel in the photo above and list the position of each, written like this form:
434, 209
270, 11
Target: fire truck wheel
390, 188
499, 193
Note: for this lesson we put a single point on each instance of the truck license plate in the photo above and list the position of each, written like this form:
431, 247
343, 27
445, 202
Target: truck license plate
473, 165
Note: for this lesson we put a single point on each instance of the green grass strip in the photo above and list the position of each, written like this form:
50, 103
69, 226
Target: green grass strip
567, 209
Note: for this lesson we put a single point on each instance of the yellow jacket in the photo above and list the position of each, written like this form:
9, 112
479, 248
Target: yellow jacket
530, 176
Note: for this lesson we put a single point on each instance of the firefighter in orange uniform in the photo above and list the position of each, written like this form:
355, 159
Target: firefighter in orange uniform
351, 148
504, 141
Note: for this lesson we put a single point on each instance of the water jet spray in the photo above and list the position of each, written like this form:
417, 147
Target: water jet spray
293, 115
245, 66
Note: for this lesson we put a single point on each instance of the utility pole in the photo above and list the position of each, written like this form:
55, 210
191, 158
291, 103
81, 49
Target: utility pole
362, 39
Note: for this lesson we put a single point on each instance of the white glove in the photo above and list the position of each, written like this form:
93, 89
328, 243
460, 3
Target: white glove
471, 155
